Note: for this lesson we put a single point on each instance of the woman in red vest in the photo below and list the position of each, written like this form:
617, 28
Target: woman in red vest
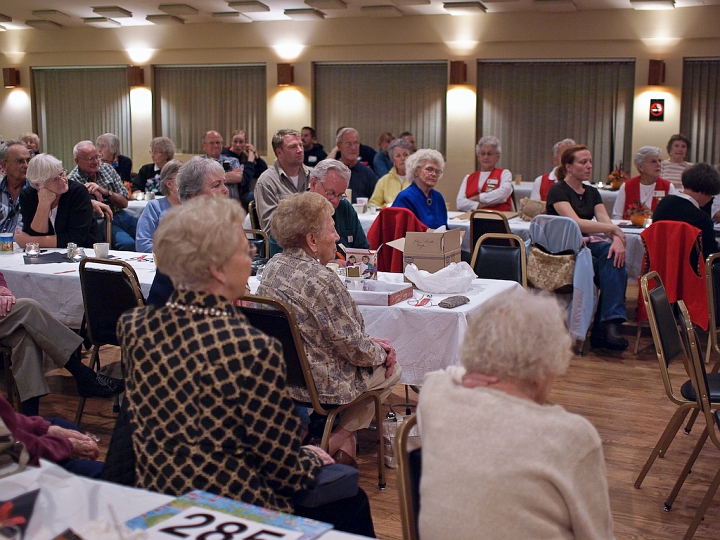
648, 188
490, 188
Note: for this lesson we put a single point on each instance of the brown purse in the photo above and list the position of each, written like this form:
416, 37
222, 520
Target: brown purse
550, 272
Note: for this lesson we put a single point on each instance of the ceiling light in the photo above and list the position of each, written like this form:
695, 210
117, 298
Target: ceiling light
554, 5
164, 19
101, 22
178, 9
250, 6
326, 4
51, 15
411, 2
231, 16
5, 18
381, 11
304, 14
464, 8
2, 28
115, 12
44, 25
652, 4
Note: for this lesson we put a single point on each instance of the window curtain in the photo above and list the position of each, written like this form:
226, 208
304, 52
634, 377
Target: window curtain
76, 104
378, 97
191, 100
700, 108
530, 106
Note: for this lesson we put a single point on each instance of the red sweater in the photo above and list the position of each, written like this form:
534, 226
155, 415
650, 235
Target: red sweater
32, 431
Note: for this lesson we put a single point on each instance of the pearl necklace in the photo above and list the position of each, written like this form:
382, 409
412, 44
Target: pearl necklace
213, 312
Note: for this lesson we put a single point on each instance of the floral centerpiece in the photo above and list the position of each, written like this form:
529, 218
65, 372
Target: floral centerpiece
638, 213
617, 177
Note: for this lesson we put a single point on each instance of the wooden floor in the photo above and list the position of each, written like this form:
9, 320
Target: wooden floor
622, 395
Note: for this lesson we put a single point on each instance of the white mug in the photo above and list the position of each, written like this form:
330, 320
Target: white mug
102, 250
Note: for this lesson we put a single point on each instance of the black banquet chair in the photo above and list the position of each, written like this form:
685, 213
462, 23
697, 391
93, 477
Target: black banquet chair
508, 262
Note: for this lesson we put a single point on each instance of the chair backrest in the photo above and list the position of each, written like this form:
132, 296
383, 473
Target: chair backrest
409, 471
107, 293
391, 224
275, 319
664, 328
488, 221
698, 373
508, 262
260, 240
254, 218
669, 248
712, 281
556, 234
104, 230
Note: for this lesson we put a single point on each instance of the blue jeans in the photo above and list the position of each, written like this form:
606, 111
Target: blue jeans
81, 467
123, 231
611, 281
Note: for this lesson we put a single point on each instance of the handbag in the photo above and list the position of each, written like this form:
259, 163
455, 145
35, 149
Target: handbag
550, 272
13, 454
529, 208
333, 483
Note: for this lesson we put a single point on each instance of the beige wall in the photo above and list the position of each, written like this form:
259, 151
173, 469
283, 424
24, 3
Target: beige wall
628, 34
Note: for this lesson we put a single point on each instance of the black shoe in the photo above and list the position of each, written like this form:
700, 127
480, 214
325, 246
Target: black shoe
102, 387
608, 336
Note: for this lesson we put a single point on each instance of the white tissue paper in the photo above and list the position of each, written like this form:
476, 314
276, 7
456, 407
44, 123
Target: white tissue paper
454, 278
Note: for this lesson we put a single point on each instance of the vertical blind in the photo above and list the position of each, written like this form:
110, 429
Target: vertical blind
191, 100
530, 106
76, 104
378, 97
700, 109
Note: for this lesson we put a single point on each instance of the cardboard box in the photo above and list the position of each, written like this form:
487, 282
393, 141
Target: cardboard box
379, 293
431, 251
361, 263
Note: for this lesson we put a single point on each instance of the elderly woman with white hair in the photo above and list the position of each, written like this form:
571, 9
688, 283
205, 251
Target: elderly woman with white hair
155, 209
162, 151
489, 188
498, 462
108, 144
344, 360
55, 211
648, 188
396, 179
424, 169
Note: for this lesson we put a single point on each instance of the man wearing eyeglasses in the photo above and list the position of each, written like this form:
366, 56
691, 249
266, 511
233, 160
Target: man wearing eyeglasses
362, 179
330, 179
105, 185
14, 157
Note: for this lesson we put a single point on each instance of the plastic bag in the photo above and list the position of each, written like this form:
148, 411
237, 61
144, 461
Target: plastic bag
454, 278
390, 426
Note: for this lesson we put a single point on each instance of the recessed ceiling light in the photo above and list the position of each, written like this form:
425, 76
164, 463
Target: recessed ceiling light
178, 9
250, 6
411, 2
101, 22
326, 4
51, 14
2, 28
554, 5
5, 18
381, 11
464, 8
164, 19
652, 4
304, 14
231, 16
43, 25
116, 12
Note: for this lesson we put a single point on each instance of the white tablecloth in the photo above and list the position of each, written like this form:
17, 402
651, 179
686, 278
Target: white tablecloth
66, 500
57, 285
136, 208
425, 338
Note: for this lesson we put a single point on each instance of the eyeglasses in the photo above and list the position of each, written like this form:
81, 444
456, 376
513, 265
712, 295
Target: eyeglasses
333, 195
63, 174
92, 158
20, 160
154, 152
433, 170
487, 154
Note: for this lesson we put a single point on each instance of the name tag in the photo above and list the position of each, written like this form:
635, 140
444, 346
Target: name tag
491, 184
312, 159
659, 194
350, 239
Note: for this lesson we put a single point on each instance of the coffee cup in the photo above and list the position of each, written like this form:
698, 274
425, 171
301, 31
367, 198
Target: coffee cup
102, 250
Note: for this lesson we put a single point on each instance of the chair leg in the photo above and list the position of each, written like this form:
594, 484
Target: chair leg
686, 470
703, 506
380, 444
691, 422
95, 364
637, 337
664, 441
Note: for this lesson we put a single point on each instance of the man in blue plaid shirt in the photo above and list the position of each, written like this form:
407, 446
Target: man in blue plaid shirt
14, 157
105, 185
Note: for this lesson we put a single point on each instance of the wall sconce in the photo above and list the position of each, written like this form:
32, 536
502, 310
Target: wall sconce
136, 76
285, 74
11, 77
458, 72
656, 73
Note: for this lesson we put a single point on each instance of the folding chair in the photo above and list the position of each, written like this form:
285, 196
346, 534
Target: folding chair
260, 240
254, 218
508, 262
13, 396
409, 471
275, 319
712, 421
107, 293
488, 221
